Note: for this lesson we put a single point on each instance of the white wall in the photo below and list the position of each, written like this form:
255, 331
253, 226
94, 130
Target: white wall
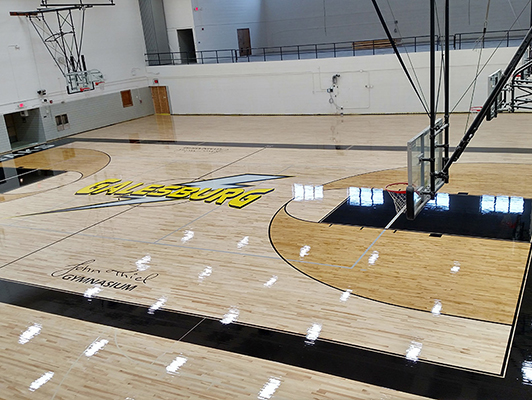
367, 84
113, 43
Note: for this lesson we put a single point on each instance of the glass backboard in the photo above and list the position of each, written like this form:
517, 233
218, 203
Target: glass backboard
419, 190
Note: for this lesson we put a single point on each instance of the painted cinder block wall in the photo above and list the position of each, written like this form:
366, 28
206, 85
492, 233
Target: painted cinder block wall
367, 84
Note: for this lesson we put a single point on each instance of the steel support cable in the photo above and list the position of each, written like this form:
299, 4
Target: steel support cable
43, 39
440, 80
482, 38
490, 100
408, 56
446, 89
61, 42
442, 62
432, 109
489, 59
68, 21
475, 78
82, 30
396, 51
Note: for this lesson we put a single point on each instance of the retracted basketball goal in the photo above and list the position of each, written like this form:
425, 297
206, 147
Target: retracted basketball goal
62, 41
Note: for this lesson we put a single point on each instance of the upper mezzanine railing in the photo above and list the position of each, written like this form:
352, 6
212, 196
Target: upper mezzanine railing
332, 50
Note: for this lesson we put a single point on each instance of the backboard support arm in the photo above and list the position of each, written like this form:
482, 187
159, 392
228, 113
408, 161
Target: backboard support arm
489, 101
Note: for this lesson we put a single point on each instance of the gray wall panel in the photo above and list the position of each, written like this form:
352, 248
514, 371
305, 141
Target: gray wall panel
96, 112
5, 146
154, 26
284, 23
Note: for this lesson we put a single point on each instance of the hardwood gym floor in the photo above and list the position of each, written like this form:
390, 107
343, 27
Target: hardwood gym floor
192, 257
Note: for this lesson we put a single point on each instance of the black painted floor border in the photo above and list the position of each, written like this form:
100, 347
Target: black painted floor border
342, 360
299, 146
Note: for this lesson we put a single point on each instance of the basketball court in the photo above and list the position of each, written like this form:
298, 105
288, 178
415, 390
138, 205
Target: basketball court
258, 243
245, 257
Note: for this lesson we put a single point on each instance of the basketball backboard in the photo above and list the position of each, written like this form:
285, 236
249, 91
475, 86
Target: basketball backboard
83, 81
420, 187
493, 80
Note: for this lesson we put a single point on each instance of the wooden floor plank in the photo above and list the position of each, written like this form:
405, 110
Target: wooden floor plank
206, 259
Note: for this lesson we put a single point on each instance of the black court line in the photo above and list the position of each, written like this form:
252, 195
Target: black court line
334, 358
299, 146
202, 144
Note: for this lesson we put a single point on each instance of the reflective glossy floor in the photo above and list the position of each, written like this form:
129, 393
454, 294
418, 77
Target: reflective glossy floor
247, 257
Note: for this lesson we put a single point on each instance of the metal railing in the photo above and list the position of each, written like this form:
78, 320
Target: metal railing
505, 38
332, 50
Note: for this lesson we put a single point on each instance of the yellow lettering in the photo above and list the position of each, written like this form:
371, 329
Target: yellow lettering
182, 192
116, 188
223, 196
146, 190
97, 186
204, 194
165, 190
129, 190
248, 197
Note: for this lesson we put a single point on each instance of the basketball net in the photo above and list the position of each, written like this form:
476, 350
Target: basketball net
397, 192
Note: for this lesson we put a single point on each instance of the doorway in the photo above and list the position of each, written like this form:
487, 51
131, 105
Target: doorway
24, 128
244, 42
160, 99
187, 48
11, 128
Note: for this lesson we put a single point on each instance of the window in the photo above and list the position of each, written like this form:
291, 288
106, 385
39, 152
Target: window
307, 192
61, 121
502, 204
365, 197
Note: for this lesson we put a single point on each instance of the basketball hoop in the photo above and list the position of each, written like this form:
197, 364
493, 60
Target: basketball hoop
397, 192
